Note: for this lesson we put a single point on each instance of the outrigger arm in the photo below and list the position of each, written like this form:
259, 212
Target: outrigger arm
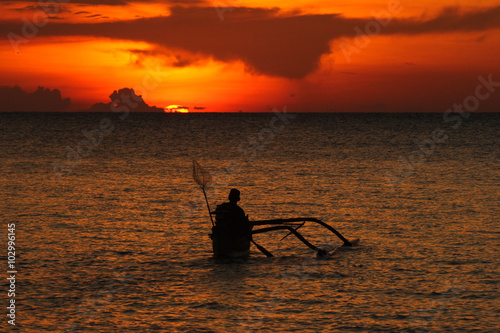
302, 219
284, 224
292, 230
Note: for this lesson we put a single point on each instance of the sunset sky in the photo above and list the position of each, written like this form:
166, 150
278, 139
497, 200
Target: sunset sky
253, 55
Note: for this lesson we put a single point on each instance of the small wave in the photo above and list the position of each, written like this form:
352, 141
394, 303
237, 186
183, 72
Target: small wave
208, 305
61, 215
63, 225
400, 316
32, 215
161, 201
123, 253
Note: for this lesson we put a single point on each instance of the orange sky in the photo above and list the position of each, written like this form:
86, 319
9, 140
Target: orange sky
256, 54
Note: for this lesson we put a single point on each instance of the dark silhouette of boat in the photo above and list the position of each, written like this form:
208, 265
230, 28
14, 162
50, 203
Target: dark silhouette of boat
226, 245
232, 232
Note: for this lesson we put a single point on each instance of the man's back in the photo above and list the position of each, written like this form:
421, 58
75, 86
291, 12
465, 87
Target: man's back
231, 210
231, 217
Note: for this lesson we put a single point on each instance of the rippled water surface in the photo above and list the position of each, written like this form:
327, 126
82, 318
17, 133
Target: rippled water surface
117, 240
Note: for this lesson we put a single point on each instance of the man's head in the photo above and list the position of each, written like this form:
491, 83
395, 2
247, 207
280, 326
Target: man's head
234, 195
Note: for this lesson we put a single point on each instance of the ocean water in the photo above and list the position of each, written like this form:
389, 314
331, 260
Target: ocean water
112, 231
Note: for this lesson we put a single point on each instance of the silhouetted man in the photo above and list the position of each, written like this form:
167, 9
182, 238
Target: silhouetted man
231, 217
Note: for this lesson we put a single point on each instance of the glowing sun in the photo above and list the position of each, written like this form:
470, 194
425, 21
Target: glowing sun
177, 108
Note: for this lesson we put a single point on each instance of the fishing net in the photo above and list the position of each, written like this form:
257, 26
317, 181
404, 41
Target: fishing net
200, 175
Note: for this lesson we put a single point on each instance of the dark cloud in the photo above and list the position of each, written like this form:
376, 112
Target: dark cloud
26, 8
13, 99
480, 39
30, 8
170, 58
82, 2
116, 2
266, 40
181, 62
124, 99
450, 19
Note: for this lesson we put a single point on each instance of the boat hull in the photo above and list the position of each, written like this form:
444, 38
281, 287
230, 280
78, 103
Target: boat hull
226, 245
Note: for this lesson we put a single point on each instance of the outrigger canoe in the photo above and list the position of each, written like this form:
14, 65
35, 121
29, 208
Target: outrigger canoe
228, 243
226, 246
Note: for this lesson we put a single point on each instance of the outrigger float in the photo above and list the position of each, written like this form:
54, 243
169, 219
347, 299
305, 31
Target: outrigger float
227, 246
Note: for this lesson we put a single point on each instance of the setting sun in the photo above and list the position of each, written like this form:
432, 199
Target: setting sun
176, 109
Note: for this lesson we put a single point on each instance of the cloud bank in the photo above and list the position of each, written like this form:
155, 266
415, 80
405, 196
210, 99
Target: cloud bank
266, 40
14, 99
124, 98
